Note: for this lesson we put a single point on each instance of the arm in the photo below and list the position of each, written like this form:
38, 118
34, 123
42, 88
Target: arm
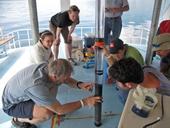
72, 28
123, 9
65, 108
69, 38
71, 82
72, 106
41, 95
106, 51
87, 86
111, 59
120, 9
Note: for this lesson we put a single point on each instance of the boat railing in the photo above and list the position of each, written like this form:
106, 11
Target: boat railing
131, 35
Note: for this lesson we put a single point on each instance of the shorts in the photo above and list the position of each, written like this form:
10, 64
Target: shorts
64, 32
21, 110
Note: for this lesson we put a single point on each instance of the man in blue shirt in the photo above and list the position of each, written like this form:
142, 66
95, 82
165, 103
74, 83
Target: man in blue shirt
30, 95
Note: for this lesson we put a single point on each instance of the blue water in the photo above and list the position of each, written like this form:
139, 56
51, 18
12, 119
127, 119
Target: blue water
15, 13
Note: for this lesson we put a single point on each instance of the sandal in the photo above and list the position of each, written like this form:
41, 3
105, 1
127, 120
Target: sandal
17, 124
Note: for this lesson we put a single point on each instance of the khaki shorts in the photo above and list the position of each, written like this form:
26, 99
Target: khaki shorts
64, 32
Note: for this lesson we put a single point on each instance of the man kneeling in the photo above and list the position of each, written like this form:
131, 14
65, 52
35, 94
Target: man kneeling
30, 95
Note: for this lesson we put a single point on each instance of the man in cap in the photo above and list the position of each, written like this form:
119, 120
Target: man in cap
117, 51
161, 45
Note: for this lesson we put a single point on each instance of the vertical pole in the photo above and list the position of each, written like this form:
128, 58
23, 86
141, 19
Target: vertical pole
154, 24
99, 41
34, 19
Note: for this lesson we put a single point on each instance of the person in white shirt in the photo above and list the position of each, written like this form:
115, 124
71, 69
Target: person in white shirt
41, 51
113, 22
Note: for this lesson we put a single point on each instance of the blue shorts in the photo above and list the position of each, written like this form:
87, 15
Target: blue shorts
21, 110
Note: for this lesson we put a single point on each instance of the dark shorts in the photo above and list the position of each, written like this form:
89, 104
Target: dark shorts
21, 110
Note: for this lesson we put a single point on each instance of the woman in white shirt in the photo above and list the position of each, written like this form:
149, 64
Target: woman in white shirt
41, 51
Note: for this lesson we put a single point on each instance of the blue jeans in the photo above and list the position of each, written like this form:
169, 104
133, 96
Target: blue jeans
113, 25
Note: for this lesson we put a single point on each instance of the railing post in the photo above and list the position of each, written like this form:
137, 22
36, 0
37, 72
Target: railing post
154, 24
34, 19
28, 35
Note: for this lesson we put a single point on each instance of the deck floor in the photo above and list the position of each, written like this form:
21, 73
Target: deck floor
84, 117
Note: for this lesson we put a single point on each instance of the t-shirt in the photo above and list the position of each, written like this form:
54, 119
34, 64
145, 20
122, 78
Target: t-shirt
134, 53
164, 82
30, 83
39, 54
115, 3
61, 20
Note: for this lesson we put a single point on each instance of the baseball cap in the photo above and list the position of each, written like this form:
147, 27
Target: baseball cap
164, 27
161, 42
115, 45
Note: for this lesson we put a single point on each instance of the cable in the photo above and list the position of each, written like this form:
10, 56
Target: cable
158, 118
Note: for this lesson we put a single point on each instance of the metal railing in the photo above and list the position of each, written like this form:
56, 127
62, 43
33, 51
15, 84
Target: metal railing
135, 36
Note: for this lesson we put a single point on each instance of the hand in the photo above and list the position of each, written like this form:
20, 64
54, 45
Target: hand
111, 59
92, 100
86, 86
57, 41
106, 51
69, 38
115, 10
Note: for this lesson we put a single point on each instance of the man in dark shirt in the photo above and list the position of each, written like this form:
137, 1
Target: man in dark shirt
59, 23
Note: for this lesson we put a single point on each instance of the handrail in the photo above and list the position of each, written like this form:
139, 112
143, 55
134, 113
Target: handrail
23, 37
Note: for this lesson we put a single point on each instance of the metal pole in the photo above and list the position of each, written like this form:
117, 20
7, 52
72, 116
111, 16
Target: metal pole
154, 24
34, 19
99, 41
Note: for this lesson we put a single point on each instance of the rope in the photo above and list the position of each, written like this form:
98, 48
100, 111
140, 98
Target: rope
56, 119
